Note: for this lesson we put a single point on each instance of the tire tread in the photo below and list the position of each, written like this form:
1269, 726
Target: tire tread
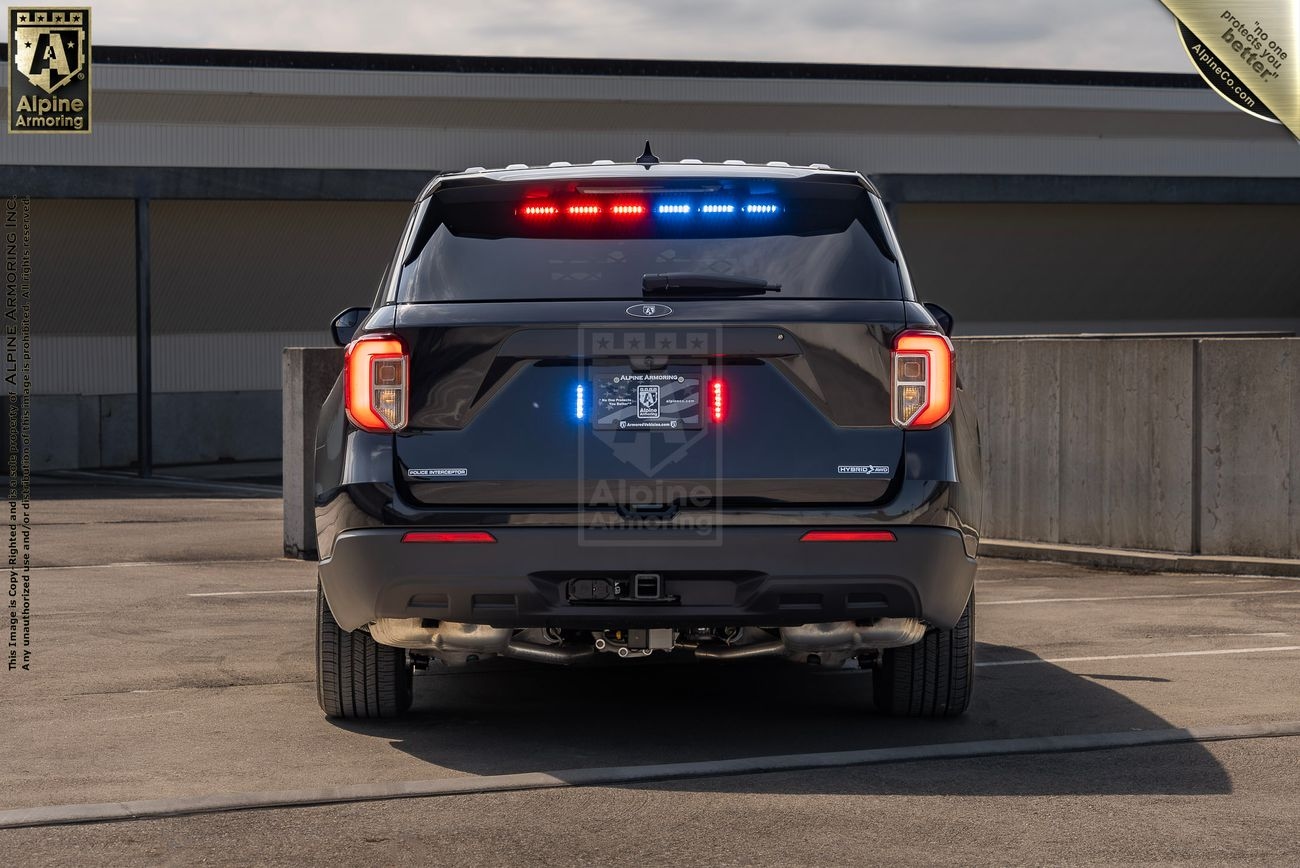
356, 677
934, 677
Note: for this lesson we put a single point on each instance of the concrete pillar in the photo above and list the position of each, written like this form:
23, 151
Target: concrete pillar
308, 374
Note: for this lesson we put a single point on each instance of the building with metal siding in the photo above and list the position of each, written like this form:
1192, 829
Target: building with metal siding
274, 186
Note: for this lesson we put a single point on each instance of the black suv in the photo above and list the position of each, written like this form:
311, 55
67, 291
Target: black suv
647, 407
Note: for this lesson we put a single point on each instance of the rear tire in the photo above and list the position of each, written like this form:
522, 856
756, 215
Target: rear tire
356, 677
932, 678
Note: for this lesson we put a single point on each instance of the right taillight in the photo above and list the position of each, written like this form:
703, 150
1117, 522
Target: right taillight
922, 379
375, 371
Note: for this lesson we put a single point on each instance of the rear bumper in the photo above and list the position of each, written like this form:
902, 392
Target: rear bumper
749, 576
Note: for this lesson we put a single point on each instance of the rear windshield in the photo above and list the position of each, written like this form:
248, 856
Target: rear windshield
604, 239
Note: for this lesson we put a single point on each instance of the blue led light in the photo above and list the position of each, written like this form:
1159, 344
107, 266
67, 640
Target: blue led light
717, 209
580, 402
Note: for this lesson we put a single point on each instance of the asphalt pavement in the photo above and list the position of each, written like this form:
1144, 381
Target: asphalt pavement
173, 661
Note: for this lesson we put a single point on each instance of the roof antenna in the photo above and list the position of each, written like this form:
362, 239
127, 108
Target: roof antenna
647, 158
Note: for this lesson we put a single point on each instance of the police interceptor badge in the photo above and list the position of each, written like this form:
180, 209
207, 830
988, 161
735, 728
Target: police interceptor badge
49, 70
437, 473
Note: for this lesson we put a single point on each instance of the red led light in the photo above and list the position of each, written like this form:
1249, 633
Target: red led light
628, 209
539, 210
717, 400
583, 210
848, 536
448, 536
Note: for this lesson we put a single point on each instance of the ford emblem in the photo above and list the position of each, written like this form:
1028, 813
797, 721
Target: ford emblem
649, 310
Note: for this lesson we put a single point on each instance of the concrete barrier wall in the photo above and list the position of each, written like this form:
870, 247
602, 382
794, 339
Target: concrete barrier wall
1187, 445
77, 431
1250, 447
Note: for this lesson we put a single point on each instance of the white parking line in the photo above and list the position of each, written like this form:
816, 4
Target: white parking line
1141, 656
250, 593
59, 815
1230, 580
1227, 635
1133, 597
137, 564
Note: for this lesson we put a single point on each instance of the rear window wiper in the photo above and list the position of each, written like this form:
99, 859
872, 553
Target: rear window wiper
686, 283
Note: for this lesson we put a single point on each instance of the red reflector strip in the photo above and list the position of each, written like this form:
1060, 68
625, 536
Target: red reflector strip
848, 536
448, 536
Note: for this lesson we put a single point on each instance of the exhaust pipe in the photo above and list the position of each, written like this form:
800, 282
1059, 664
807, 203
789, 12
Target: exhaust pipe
453, 642
850, 637
740, 652
829, 644
556, 654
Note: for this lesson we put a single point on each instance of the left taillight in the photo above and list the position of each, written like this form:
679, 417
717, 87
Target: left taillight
922, 379
375, 369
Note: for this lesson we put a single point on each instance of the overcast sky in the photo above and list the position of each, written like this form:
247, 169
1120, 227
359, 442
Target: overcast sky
1077, 34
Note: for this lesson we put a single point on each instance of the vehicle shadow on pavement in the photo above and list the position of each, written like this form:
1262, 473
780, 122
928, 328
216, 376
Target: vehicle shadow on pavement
508, 717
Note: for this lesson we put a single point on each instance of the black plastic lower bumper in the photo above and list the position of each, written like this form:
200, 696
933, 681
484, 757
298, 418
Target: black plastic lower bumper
755, 576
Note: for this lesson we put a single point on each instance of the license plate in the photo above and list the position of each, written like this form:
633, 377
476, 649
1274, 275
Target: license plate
666, 400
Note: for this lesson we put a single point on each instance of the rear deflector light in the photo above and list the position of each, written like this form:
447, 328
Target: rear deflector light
627, 209
717, 400
922, 379
848, 536
536, 212
623, 210
448, 536
375, 370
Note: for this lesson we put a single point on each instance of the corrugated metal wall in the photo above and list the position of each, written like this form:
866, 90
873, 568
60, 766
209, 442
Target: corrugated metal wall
1015, 268
320, 118
234, 280
233, 283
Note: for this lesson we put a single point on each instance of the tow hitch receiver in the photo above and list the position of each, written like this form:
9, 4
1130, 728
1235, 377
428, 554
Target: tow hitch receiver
639, 588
